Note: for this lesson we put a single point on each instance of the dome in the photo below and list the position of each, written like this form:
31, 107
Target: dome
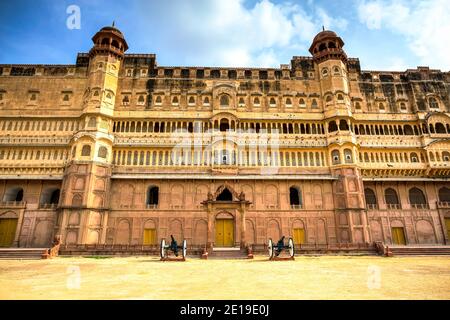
326, 40
324, 35
112, 29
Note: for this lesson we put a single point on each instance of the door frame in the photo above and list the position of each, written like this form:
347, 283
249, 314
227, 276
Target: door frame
225, 215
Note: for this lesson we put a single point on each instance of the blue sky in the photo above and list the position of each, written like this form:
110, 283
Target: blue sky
384, 34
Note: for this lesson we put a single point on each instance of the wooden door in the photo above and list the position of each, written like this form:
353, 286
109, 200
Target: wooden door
7, 232
224, 233
149, 237
299, 236
398, 236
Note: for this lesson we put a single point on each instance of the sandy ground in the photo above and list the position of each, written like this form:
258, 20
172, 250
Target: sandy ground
328, 277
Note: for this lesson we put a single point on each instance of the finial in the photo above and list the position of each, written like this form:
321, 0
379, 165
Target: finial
323, 28
113, 24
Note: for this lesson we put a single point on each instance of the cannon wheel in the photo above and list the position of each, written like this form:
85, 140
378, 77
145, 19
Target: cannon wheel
162, 249
270, 247
291, 247
184, 248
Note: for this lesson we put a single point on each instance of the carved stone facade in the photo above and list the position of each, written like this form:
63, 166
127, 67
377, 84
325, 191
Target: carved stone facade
118, 150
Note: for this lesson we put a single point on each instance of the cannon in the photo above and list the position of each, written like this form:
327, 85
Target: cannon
275, 250
174, 248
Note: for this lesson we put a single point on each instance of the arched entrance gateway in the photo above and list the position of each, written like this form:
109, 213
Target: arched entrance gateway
226, 218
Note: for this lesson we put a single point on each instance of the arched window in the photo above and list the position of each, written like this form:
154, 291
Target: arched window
141, 100
408, 130
191, 100
433, 103
414, 157
224, 125
322, 47
348, 156
86, 151
417, 197
241, 102
444, 194
335, 157
295, 198
224, 100
332, 127
102, 152
329, 98
343, 125
336, 71
256, 101
92, 122
158, 100
403, 106
175, 101
381, 107
152, 196
288, 102
446, 156
391, 197
302, 103
324, 72
371, 198
340, 97
206, 101
126, 100
357, 106
314, 104
50, 196
272, 102
225, 195
13, 194
439, 128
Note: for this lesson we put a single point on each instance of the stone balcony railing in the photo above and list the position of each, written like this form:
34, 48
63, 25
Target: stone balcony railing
393, 166
443, 204
12, 204
296, 207
172, 139
48, 206
419, 206
389, 141
372, 206
393, 206
52, 141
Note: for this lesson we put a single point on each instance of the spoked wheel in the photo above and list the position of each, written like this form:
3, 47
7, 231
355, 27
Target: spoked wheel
162, 249
270, 247
184, 249
291, 247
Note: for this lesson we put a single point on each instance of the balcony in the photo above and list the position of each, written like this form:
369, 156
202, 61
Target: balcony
372, 206
152, 206
48, 206
420, 206
443, 204
296, 207
393, 206
12, 204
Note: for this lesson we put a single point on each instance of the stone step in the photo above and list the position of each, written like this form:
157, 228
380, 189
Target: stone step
415, 250
22, 253
228, 253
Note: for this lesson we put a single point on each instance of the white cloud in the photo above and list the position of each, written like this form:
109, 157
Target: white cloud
217, 32
424, 23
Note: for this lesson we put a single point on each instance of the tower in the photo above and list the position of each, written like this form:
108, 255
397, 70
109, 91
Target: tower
85, 193
330, 62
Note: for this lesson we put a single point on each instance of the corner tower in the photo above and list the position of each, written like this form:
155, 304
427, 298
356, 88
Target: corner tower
87, 177
330, 62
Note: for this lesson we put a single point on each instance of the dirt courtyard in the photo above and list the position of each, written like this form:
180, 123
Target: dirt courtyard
327, 277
